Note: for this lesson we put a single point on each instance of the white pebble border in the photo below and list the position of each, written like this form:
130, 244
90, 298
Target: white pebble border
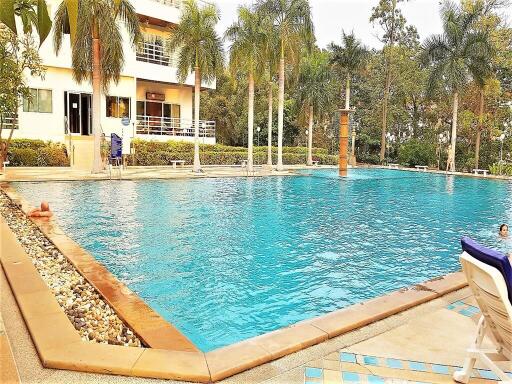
91, 316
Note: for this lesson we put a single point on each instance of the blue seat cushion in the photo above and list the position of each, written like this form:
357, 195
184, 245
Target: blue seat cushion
490, 257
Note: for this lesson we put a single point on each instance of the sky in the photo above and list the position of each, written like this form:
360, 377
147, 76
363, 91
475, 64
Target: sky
331, 16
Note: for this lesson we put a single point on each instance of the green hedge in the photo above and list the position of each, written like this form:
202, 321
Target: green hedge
152, 153
37, 153
506, 169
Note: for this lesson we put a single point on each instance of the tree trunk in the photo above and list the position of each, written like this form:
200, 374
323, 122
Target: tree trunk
310, 137
250, 124
388, 84
347, 93
270, 114
479, 129
280, 116
450, 166
385, 114
197, 98
96, 101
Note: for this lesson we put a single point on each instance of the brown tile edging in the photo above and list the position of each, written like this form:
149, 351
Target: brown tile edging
67, 351
155, 331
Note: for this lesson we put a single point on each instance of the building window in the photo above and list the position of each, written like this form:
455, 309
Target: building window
40, 100
118, 106
158, 109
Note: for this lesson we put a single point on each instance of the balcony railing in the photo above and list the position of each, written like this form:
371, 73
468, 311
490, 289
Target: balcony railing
10, 122
168, 126
172, 3
155, 54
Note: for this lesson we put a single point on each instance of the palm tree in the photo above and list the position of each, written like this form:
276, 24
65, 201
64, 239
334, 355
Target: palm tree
314, 85
348, 59
453, 56
199, 50
271, 59
246, 55
294, 28
30, 12
94, 24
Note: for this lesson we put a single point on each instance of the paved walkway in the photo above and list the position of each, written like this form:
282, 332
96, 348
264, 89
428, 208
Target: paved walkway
132, 173
432, 336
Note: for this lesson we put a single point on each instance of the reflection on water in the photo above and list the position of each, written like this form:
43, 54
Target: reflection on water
228, 259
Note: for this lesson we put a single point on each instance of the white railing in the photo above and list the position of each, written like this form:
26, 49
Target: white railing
172, 3
155, 54
10, 122
178, 3
169, 126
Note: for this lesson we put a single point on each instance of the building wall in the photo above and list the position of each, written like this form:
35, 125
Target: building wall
50, 126
137, 78
173, 94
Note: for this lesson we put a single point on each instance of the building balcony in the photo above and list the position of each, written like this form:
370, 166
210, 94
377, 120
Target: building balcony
169, 126
155, 54
10, 122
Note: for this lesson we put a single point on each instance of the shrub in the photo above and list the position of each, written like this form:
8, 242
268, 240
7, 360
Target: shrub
37, 153
19, 157
152, 153
416, 152
506, 169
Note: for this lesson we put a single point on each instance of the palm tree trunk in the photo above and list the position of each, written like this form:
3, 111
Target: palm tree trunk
450, 166
347, 93
385, 115
479, 129
280, 115
96, 101
250, 124
197, 98
270, 113
310, 136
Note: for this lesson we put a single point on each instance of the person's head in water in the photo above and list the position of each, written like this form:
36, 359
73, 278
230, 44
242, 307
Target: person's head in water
45, 207
504, 230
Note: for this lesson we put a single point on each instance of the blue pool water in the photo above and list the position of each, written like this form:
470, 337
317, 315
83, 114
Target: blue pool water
228, 259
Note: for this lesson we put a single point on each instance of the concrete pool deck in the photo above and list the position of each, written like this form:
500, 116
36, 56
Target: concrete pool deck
168, 172
431, 333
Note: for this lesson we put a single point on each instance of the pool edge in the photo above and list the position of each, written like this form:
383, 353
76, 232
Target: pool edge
74, 354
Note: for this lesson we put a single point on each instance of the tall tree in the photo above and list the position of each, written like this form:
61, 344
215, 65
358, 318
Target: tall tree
97, 48
247, 52
32, 13
314, 91
294, 28
200, 51
271, 60
17, 55
453, 56
393, 24
348, 59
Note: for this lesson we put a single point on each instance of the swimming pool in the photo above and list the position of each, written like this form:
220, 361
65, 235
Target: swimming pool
228, 259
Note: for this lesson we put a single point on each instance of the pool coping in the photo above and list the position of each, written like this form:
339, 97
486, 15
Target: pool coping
61, 347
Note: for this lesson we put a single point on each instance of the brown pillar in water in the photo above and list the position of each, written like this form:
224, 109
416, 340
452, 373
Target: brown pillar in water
344, 120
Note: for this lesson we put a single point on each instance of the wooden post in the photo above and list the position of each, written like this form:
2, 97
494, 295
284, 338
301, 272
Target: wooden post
343, 162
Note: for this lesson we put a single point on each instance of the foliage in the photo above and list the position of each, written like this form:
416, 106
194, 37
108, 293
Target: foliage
501, 169
31, 13
17, 56
37, 153
196, 41
98, 19
417, 152
162, 153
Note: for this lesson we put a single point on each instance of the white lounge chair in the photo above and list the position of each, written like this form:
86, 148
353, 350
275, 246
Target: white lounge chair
489, 275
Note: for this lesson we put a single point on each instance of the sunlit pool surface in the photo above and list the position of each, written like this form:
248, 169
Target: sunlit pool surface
231, 258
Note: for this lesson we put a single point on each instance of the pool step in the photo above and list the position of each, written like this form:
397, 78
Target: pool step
347, 367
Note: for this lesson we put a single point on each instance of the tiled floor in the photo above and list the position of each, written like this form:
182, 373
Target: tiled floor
349, 365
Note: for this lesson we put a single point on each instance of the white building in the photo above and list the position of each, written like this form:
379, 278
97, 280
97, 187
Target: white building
148, 92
